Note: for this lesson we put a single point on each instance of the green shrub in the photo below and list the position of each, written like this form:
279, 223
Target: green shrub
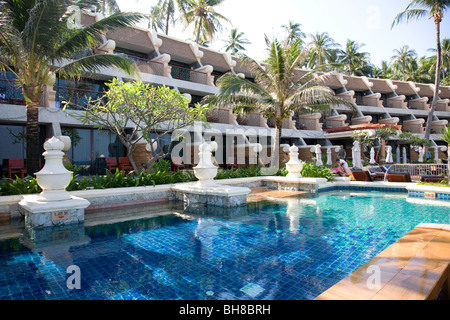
311, 170
27, 185
283, 172
443, 183
239, 173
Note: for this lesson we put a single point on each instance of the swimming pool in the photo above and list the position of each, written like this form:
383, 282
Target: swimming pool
292, 249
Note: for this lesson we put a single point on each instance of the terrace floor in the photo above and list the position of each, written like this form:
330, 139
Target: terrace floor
416, 267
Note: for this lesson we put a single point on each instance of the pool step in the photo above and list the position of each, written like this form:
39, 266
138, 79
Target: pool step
259, 190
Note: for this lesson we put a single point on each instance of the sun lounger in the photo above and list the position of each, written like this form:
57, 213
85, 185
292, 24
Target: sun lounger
362, 176
431, 178
398, 177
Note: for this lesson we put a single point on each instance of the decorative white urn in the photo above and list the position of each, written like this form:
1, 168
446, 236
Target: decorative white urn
54, 177
206, 171
294, 166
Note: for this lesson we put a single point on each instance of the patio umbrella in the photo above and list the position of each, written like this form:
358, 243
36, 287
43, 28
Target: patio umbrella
398, 154
329, 159
389, 154
319, 155
356, 155
404, 156
372, 156
421, 153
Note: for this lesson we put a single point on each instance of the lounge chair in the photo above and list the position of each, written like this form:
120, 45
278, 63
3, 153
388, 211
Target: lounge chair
431, 178
377, 173
362, 176
398, 177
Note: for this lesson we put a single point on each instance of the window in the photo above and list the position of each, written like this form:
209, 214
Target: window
88, 145
77, 93
10, 90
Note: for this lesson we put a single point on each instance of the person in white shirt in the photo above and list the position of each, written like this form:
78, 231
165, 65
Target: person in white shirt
343, 168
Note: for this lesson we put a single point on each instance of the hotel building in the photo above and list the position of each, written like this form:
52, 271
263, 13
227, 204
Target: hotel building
193, 70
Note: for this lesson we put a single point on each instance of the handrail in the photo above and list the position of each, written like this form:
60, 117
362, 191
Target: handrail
416, 170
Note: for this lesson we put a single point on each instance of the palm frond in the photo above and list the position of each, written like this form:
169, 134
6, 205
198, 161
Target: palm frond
84, 38
318, 97
96, 63
408, 15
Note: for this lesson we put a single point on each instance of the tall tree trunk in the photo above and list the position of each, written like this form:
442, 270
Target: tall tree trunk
32, 138
168, 19
199, 30
276, 144
436, 84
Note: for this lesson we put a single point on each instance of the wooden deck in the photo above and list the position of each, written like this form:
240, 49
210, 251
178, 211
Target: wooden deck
416, 267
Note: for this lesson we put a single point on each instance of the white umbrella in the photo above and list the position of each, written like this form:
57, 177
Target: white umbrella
398, 154
421, 153
319, 155
356, 154
372, 156
329, 159
389, 154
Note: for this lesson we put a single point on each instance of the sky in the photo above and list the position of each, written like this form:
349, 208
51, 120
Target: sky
367, 22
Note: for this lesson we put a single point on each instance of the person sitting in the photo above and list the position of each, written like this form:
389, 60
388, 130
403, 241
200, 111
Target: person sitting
344, 170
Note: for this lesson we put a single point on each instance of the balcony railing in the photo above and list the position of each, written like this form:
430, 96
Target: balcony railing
145, 65
11, 92
76, 98
190, 75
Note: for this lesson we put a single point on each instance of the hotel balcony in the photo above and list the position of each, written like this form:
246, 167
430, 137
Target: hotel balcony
443, 105
256, 119
419, 104
222, 115
347, 96
361, 120
397, 102
310, 121
373, 100
414, 126
438, 125
337, 121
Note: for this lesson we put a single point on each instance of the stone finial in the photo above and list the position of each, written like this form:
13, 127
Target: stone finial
53, 144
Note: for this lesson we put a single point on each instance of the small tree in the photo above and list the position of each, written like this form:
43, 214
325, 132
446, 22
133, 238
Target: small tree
364, 138
136, 111
383, 134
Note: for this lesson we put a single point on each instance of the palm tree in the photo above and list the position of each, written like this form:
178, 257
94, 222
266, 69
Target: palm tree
417, 71
321, 48
163, 14
207, 22
434, 9
384, 71
277, 91
445, 56
37, 43
294, 31
236, 42
354, 61
401, 59
106, 7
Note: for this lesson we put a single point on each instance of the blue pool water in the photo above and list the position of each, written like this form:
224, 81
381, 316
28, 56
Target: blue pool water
286, 250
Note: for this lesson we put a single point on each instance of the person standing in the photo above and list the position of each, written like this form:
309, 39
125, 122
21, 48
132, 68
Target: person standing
342, 154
